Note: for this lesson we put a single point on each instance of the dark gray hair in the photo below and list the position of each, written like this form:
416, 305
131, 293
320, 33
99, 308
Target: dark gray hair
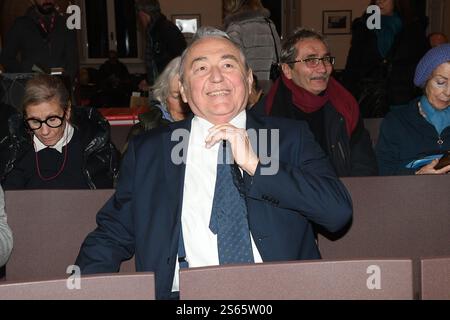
209, 32
150, 7
161, 88
45, 88
288, 49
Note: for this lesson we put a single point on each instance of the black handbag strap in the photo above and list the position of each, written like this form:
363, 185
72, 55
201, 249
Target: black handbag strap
273, 37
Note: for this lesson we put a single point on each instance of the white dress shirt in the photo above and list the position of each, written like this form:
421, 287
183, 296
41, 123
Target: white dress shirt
199, 184
65, 139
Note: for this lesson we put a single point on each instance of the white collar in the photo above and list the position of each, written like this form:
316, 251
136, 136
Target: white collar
239, 121
65, 139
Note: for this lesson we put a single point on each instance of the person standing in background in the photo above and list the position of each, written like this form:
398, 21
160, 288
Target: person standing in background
381, 62
41, 38
164, 41
247, 23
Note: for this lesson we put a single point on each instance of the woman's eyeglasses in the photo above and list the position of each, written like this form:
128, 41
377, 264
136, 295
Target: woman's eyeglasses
314, 62
52, 122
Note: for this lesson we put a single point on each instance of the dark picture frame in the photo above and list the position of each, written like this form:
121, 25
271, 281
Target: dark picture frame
336, 21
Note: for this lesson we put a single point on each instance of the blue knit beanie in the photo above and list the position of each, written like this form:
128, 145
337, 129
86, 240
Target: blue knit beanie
430, 61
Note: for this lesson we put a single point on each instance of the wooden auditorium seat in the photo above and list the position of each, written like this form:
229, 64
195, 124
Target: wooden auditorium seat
49, 227
399, 216
136, 286
435, 276
356, 279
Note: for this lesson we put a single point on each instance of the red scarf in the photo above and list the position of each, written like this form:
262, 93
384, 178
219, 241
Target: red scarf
340, 98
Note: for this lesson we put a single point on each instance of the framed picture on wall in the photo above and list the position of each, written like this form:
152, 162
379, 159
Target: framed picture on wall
187, 23
336, 21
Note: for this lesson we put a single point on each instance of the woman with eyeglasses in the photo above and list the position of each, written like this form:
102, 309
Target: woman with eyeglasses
52, 145
308, 92
414, 137
380, 64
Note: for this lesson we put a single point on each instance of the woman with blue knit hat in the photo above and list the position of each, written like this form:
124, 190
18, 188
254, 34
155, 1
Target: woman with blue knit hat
414, 137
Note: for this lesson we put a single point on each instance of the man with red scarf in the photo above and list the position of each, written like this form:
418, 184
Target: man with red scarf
306, 91
42, 38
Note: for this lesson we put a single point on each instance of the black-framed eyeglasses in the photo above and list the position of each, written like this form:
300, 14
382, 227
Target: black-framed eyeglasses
52, 122
314, 62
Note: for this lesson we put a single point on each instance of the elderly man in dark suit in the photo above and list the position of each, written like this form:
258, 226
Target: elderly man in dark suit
176, 205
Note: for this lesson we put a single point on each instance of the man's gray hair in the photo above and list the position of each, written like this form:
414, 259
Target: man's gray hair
288, 49
209, 32
161, 88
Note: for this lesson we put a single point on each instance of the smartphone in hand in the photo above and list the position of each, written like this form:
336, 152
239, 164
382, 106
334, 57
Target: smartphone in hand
444, 161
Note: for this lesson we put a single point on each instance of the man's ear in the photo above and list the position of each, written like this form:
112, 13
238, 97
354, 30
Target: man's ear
182, 92
287, 71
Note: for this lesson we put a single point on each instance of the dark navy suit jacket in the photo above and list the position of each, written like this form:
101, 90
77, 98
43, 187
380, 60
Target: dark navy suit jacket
143, 216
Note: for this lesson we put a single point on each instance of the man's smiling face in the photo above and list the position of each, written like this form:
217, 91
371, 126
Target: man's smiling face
215, 81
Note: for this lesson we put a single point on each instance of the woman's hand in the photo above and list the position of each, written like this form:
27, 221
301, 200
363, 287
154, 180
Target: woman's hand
429, 168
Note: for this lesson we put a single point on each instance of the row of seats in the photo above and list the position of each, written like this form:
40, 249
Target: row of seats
394, 217
355, 279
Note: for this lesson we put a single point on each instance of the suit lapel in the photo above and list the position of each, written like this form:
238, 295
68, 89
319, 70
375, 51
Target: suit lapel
175, 153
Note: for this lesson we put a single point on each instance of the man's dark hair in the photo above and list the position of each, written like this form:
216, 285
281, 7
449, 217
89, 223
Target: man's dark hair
288, 48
